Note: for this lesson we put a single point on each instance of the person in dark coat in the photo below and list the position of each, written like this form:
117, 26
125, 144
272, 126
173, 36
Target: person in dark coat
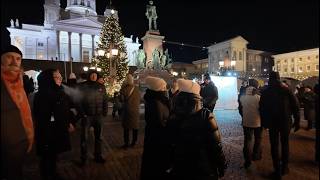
198, 153
130, 98
173, 92
28, 84
316, 91
53, 121
309, 98
209, 93
93, 111
156, 149
277, 105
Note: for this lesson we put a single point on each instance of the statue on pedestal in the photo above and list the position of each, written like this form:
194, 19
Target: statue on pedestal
152, 15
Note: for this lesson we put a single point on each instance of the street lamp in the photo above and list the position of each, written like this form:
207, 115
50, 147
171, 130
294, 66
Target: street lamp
85, 68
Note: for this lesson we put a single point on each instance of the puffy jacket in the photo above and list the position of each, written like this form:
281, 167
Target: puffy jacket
250, 108
197, 140
94, 99
209, 93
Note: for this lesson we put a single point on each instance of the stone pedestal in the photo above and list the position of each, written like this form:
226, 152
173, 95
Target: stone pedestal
152, 40
141, 74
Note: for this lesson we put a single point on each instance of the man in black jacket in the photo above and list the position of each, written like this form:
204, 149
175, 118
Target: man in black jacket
209, 93
277, 105
93, 109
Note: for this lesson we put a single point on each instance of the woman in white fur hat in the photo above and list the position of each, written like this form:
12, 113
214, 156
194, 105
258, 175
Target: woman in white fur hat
155, 158
197, 143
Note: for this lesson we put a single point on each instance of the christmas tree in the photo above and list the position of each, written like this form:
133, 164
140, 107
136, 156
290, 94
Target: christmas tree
113, 64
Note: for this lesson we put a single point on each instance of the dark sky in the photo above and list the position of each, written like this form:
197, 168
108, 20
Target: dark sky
272, 25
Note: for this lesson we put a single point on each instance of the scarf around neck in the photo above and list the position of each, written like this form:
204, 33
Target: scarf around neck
14, 84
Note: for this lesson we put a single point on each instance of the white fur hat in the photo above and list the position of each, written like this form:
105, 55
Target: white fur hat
155, 83
188, 86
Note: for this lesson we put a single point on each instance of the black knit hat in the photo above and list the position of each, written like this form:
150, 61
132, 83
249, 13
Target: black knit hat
274, 76
207, 76
10, 48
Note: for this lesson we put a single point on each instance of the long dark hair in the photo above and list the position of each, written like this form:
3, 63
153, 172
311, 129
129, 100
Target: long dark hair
46, 80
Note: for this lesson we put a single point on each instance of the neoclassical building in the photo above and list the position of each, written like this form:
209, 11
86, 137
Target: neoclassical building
298, 64
67, 34
233, 54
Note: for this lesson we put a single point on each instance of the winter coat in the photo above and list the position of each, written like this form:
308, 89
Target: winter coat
197, 143
52, 118
277, 105
209, 93
157, 149
13, 133
131, 103
93, 99
250, 108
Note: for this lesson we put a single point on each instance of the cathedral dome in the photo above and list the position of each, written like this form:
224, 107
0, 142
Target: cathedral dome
82, 7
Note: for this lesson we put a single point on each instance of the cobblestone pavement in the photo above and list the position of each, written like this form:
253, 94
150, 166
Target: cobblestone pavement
124, 164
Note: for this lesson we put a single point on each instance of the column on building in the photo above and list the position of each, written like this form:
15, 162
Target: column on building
58, 45
92, 37
69, 45
80, 46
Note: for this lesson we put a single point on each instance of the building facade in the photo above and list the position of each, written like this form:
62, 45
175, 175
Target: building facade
70, 34
234, 55
299, 64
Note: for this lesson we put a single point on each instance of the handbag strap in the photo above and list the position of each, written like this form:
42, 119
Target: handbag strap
131, 91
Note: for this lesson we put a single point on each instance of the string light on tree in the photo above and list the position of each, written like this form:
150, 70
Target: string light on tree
111, 55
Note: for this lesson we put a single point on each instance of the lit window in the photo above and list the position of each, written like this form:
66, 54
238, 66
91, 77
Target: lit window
300, 69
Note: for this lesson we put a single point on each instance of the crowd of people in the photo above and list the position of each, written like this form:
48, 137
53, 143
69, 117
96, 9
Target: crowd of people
182, 139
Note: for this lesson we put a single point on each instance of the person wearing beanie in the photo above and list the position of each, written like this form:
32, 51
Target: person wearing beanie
72, 80
156, 149
197, 152
17, 132
277, 106
93, 111
209, 93
130, 99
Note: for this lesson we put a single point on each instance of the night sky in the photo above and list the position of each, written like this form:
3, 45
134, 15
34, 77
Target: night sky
270, 25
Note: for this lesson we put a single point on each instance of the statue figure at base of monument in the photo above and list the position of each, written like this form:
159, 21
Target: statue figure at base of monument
156, 59
152, 15
141, 59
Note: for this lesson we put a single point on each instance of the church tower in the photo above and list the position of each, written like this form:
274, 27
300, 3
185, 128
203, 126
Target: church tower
51, 13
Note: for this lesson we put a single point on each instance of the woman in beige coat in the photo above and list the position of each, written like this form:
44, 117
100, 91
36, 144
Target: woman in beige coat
130, 98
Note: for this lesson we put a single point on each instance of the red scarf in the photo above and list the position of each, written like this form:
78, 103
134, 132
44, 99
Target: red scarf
14, 84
